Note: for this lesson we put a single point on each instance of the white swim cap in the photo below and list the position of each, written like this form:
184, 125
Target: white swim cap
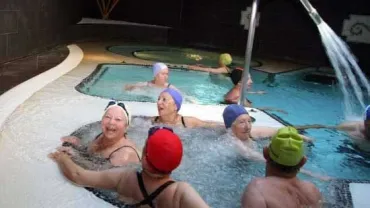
157, 67
122, 106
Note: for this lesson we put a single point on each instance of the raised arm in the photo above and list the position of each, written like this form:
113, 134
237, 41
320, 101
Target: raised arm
196, 122
104, 179
220, 70
348, 126
260, 132
129, 87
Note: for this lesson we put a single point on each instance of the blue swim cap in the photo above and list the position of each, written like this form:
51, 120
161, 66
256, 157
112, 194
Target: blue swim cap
367, 113
231, 113
176, 96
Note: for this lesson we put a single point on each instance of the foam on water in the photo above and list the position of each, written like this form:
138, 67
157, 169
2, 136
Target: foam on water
211, 162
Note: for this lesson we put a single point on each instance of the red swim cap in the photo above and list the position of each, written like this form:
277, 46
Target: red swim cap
164, 150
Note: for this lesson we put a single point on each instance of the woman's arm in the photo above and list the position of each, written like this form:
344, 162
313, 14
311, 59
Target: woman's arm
129, 87
220, 70
108, 179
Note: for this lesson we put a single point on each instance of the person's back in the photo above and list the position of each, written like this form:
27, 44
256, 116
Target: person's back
177, 194
295, 193
281, 188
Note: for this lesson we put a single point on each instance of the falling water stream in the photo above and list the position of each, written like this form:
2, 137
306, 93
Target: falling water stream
353, 83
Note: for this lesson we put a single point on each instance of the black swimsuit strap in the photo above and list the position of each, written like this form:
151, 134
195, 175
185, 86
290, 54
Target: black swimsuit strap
98, 136
183, 121
142, 187
148, 199
124, 147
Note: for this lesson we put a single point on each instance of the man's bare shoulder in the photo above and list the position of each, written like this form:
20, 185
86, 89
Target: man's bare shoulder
259, 183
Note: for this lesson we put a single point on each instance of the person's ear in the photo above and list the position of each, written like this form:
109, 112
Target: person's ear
266, 153
303, 161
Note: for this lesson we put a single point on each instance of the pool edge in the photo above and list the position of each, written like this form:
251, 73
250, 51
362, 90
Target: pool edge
15, 96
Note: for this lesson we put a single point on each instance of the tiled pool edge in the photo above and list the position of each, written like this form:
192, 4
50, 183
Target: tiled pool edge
14, 97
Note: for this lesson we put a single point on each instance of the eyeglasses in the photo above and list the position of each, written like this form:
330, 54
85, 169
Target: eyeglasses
120, 104
156, 128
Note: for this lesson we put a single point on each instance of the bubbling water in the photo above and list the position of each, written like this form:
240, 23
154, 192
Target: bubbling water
210, 163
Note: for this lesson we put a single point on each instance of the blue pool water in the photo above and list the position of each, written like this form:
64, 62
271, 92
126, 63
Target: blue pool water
305, 102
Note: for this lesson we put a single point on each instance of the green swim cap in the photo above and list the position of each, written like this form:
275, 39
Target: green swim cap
286, 147
225, 59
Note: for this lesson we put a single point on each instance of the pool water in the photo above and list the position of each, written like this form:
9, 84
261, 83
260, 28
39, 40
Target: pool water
305, 102
205, 151
109, 82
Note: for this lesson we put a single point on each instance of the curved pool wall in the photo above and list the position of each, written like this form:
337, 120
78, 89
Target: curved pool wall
39, 111
18, 94
175, 55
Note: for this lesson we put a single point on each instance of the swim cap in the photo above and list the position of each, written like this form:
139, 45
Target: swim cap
231, 113
286, 147
122, 106
225, 59
367, 113
176, 96
157, 67
236, 75
164, 150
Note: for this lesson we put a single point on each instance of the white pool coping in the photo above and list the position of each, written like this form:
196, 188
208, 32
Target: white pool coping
360, 194
27, 177
12, 98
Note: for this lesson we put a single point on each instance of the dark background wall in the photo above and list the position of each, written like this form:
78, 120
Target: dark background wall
29, 26
285, 30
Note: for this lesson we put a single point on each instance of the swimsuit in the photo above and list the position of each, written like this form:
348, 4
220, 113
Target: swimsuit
182, 120
123, 146
148, 199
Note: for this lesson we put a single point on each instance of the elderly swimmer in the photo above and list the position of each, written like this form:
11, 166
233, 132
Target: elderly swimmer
168, 105
238, 120
226, 67
284, 158
160, 78
150, 187
112, 144
358, 131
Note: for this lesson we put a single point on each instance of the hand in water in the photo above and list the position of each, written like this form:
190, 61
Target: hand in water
129, 87
57, 156
71, 139
67, 150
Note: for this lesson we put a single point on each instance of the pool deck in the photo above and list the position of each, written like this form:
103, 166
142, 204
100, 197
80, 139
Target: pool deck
268, 65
